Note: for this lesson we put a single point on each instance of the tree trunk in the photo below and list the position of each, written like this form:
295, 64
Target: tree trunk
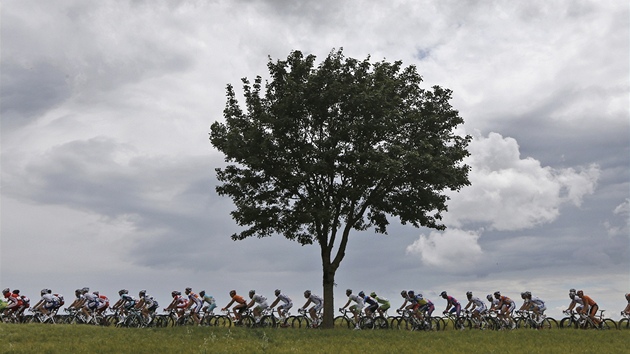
329, 301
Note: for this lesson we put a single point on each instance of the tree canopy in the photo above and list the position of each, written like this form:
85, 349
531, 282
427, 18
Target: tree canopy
322, 150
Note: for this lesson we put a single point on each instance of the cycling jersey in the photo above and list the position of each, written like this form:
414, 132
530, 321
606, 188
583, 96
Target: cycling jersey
479, 304
588, 301
357, 299
195, 299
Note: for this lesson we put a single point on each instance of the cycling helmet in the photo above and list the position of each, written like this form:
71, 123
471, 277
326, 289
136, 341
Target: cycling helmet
6, 290
403, 293
497, 294
372, 294
361, 293
78, 291
142, 292
489, 297
232, 293
443, 293
16, 291
307, 293
348, 292
524, 294
188, 290
122, 291
410, 292
572, 291
85, 290
202, 293
419, 297
96, 293
277, 292
44, 291
528, 294
469, 294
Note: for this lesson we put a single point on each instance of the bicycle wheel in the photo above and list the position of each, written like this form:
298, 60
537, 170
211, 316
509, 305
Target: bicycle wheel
222, 321
553, 322
133, 321
545, 324
607, 324
380, 322
247, 321
624, 323
267, 322
568, 322
462, 323
342, 322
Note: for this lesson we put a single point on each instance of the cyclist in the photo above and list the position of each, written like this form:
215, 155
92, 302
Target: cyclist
78, 300
26, 303
404, 295
590, 306
532, 303
372, 305
261, 304
13, 302
147, 305
47, 303
318, 304
384, 303
627, 309
178, 304
451, 303
356, 308
575, 301
91, 304
283, 309
212, 304
239, 308
478, 307
194, 299
415, 303
505, 305
125, 303
425, 306
494, 303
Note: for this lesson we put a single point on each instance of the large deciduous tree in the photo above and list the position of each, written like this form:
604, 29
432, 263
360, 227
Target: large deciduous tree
322, 150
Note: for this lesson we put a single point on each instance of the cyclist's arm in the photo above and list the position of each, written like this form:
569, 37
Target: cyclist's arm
307, 303
403, 305
274, 303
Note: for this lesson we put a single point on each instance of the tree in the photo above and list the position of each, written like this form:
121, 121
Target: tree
343, 146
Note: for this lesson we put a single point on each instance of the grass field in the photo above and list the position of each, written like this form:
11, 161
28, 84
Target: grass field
38, 338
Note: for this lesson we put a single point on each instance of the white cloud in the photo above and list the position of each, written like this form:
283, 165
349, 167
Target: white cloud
623, 210
452, 249
508, 192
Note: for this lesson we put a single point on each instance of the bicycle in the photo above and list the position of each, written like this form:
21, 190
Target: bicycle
502, 323
10, 318
587, 322
39, 317
624, 322
304, 320
460, 323
346, 320
409, 321
527, 319
483, 322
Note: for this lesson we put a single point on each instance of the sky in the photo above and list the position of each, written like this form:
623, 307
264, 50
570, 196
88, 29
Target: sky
108, 176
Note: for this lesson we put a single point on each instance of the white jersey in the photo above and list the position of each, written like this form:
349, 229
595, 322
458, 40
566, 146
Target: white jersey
285, 299
356, 298
477, 302
259, 299
89, 297
48, 298
536, 301
316, 299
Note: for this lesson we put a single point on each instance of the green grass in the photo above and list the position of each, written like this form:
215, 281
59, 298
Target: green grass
38, 338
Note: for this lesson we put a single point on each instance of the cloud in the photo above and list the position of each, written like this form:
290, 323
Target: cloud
452, 249
508, 192
622, 228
